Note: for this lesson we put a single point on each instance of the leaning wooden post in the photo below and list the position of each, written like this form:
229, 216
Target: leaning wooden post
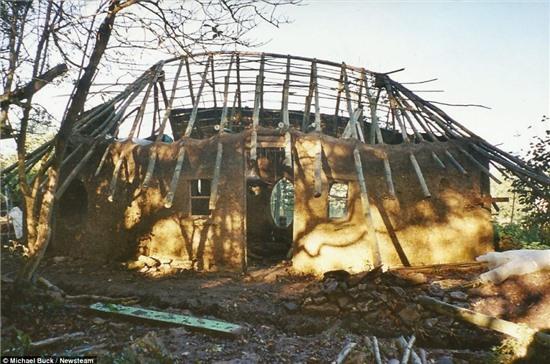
126, 151
351, 127
256, 119
286, 118
153, 150
219, 154
338, 96
128, 148
307, 108
189, 80
481, 167
319, 154
377, 260
181, 152
375, 134
455, 163
420, 176
518, 331
213, 82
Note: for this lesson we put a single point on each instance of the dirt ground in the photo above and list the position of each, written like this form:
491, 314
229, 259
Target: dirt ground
287, 317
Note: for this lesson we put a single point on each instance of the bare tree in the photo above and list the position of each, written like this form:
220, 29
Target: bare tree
88, 37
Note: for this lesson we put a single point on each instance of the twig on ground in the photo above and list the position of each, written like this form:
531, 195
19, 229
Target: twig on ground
344, 353
55, 340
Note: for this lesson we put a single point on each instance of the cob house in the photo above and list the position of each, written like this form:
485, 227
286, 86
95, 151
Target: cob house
214, 158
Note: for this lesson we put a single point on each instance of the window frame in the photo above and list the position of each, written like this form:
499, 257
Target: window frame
337, 198
199, 197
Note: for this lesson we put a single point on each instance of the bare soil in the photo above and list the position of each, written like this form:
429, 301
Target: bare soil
288, 318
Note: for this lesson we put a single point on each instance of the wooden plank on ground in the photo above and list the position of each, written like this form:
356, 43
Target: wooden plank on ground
216, 326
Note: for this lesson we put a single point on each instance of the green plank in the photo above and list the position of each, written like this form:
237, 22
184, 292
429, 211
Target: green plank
188, 321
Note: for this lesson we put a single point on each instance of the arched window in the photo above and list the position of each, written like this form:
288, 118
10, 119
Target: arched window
282, 203
338, 200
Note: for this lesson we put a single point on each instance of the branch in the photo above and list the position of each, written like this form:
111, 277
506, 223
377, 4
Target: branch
33, 86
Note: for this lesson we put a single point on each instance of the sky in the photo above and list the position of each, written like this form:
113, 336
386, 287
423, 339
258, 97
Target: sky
494, 53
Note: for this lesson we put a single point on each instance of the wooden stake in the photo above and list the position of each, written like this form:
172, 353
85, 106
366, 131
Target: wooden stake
193, 116
404, 344
407, 351
388, 176
128, 148
377, 260
216, 178
256, 118
438, 161
169, 199
376, 350
219, 154
189, 80
344, 353
153, 150
455, 163
518, 331
479, 165
213, 81
319, 154
420, 176
351, 128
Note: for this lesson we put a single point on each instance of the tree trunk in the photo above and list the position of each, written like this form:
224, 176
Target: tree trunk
76, 106
43, 231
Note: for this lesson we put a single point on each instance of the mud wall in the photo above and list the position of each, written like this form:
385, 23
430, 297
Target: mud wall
136, 221
451, 226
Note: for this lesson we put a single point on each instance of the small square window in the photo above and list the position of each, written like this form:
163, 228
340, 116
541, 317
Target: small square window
200, 197
338, 200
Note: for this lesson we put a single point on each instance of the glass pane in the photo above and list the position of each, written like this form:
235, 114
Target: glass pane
338, 200
282, 203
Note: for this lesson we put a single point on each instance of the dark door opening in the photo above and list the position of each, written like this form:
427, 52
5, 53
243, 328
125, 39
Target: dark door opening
269, 206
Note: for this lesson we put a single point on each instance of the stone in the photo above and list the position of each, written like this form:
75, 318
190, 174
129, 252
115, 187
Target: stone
328, 309
393, 361
398, 291
319, 300
307, 301
409, 314
458, 295
165, 260
135, 265
357, 357
330, 286
338, 275
444, 360
290, 306
431, 322
145, 269
417, 278
343, 301
435, 290
98, 321
362, 287
363, 306
149, 261
59, 259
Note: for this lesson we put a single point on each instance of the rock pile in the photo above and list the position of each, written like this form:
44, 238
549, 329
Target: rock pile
385, 304
158, 265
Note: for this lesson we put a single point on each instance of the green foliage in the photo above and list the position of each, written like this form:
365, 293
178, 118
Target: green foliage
19, 345
535, 197
527, 236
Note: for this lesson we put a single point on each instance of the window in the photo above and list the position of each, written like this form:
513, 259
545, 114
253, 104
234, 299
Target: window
282, 203
200, 197
338, 200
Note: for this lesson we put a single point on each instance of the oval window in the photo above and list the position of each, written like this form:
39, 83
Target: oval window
282, 203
